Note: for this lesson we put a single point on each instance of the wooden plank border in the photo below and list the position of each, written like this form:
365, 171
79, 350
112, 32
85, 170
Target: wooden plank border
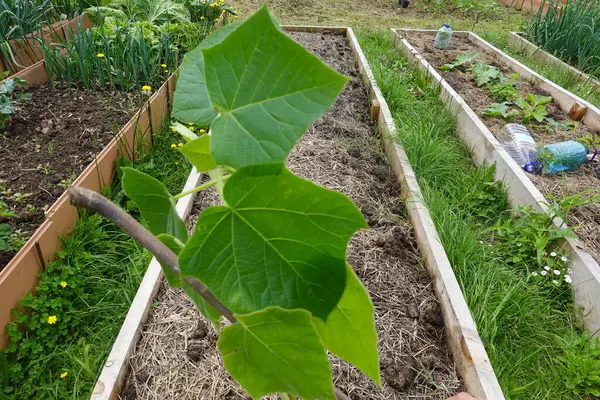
115, 369
521, 191
470, 356
516, 41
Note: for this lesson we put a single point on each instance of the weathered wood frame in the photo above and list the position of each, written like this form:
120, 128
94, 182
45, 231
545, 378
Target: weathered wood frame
469, 353
521, 191
519, 43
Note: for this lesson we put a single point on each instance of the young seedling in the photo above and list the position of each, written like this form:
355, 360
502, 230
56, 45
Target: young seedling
485, 74
501, 110
533, 107
506, 89
272, 258
464, 59
7, 102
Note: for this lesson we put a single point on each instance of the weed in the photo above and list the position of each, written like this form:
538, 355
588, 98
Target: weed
19, 197
533, 107
7, 100
45, 169
51, 148
581, 360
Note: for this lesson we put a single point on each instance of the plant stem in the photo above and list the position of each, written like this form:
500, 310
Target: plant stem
85, 198
194, 190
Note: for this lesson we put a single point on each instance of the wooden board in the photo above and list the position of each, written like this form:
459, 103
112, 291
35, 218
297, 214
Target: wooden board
115, 369
521, 191
519, 43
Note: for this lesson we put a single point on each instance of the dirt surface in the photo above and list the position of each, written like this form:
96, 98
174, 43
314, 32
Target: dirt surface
177, 358
584, 179
52, 138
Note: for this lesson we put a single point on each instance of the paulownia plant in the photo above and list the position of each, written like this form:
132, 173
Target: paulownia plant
272, 258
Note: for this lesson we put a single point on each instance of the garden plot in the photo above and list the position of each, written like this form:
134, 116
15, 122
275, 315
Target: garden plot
52, 138
177, 357
553, 125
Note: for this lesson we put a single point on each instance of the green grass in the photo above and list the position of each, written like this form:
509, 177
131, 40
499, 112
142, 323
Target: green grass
102, 267
554, 73
524, 326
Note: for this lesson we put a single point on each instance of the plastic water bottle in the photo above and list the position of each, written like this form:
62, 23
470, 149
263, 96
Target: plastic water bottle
519, 145
564, 156
442, 37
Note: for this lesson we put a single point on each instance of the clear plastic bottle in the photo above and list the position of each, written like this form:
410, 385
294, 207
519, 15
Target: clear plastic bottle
519, 145
442, 37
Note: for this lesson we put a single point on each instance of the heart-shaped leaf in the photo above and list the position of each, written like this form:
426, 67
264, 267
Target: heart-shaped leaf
266, 102
277, 350
255, 252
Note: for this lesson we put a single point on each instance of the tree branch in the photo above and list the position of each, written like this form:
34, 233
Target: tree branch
85, 198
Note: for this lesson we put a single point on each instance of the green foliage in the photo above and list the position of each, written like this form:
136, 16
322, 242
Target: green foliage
501, 110
506, 89
533, 107
570, 31
274, 253
582, 365
463, 59
20, 17
465, 7
562, 125
7, 100
485, 74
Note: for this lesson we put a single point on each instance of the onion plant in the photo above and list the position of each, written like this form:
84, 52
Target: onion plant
126, 60
570, 31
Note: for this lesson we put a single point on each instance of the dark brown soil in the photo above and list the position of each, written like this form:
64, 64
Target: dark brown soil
340, 151
584, 179
52, 138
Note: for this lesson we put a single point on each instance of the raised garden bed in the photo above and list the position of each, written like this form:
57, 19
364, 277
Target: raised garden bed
519, 43
176, 354
19, 274
468, 101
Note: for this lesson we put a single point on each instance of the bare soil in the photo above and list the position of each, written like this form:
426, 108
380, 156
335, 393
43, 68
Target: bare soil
583, 179
176, 357
52, 138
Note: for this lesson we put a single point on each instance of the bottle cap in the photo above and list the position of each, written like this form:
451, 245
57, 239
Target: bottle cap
446, 26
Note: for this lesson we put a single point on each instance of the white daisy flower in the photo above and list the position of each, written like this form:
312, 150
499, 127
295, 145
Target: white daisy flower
555, 282
534, 273
563, 259
568, 279
547, 268
556, 272
569, 271
544, 273
553, 254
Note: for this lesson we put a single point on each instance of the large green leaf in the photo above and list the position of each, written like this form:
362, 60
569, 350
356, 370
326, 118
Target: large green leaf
155, 203
277, 350
198, 152
350, 331
175, 245
267, 89
191, 102
280, 241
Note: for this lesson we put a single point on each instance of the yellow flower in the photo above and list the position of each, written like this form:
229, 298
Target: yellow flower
163, 65
166, 71
192, 128
52, 319
64, 375
179, 144
190, 123
202, 17
100, 55
176, 162
173, 146
63, 284
146, 88
202, 131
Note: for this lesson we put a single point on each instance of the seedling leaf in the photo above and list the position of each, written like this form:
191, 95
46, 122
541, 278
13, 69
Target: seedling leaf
267, 89
255, 252
349, 332
563, 125
539, 113
277, 350
500, 110
536, 100
155, 203
198, 153
461, 59
485, 74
